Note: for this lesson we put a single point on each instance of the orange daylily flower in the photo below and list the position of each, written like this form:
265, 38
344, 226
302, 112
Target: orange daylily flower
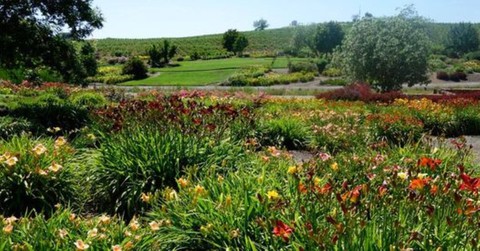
431, 163
419, 184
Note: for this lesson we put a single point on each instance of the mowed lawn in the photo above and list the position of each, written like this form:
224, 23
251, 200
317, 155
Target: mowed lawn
205, 72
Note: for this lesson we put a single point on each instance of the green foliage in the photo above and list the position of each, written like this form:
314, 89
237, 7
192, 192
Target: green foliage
386, 52
327, 37
332, 72
49, 114
27, 41
34, 175
334, 82
13, 126
87, 57
240, 44
162, 55
288, 132
229, 38
88, 99
302, 67
260, 24
462, 38
136, 68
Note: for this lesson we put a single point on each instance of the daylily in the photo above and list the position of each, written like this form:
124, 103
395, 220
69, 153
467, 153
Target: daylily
469, 183
55, 167
431, 163
62, 233
282, 230
92, 233
60, 141
8, 229
292, 170
419, 184
81, 245
272, 195
104, 219
199, 190
146, 197
402, 175
117, 248
183, 182
39, 149
11, 161
154, 226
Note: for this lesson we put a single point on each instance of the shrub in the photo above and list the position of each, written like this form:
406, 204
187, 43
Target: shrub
135, 67
34, 175
472, 66
334, 82
332, 72
321, 64
284, 132
65, 115
397, 129
143, 160
88, 99
10, 127
302, 67
472, 55
443, 75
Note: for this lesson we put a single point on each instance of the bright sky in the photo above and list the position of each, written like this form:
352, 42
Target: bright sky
180, 18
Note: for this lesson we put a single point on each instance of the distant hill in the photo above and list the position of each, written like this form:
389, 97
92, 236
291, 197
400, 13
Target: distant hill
263, 42
266, 42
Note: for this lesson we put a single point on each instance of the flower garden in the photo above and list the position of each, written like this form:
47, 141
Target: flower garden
99, 170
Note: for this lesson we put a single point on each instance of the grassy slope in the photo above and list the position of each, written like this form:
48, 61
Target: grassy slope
205, 72
259, 41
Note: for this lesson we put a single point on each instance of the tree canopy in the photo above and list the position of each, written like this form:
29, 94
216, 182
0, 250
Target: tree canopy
235, 42
39, 33
462, 38
260, 24
386, 52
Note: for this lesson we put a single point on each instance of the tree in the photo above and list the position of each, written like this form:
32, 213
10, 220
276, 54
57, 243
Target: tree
260, 24
327, 37
229, 38
31, 34
234, 42
386, 52
462, 38
240, 44
319, 39
87, 57
161, 55
167, 51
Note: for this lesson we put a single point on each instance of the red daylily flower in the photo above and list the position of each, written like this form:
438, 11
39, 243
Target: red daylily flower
282, 230
469, 183
431, 163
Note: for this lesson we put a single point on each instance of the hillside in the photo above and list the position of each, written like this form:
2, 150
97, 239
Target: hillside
261, 42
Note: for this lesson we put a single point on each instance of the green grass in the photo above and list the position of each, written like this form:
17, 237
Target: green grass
191, 73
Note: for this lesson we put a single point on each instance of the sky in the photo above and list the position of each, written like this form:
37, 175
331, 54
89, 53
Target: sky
182, 18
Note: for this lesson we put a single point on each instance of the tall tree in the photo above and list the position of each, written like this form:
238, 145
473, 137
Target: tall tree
260, 24
386, 52
462, 38
32, 33
327, 37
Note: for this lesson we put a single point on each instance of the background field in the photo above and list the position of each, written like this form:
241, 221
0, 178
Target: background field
191, 73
